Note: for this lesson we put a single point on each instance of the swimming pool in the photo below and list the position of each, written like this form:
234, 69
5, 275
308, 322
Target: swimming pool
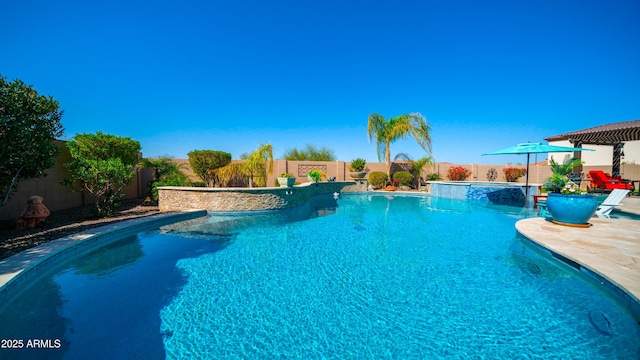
377, 277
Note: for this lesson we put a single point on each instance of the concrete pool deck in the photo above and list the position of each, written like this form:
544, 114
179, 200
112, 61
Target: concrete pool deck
609, 248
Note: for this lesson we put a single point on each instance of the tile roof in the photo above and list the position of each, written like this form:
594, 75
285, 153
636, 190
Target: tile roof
603, 134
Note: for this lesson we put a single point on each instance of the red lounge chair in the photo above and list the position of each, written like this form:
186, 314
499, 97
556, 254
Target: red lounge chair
604, 182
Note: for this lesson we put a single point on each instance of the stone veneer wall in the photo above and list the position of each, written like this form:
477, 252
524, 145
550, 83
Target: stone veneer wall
173, 198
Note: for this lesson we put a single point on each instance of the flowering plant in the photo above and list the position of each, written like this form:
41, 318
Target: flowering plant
558, 179
458, 173
571, 188
512, 174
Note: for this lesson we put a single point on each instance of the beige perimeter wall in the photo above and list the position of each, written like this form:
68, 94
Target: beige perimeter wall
57, 197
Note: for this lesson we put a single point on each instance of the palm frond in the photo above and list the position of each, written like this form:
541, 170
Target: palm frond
402, 156
421, 131
230, 173
377, 129
565, 168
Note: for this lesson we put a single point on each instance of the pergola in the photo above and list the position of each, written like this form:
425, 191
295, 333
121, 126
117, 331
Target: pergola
610, 134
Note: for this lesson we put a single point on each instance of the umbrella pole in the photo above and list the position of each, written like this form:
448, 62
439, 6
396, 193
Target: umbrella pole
526, 184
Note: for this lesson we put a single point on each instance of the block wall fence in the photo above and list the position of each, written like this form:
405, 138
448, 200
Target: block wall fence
57, 197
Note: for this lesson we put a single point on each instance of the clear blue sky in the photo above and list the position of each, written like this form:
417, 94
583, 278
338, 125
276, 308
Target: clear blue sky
229, 75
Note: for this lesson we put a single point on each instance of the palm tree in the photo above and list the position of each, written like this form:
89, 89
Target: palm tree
387, 131
162, 166
256, 164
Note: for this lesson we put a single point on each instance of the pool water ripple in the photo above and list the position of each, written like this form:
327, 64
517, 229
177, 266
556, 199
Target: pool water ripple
399, 287
405, 277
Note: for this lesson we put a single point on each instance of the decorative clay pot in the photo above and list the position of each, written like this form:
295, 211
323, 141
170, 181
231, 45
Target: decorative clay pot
572, 209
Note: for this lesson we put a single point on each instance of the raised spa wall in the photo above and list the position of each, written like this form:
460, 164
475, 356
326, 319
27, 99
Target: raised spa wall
495, 192
173, 198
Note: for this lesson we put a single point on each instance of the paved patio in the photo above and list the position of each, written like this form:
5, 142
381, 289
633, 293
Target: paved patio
630, 204
610, 247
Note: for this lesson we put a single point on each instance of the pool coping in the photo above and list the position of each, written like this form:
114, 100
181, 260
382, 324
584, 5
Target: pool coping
609, 248
30, 262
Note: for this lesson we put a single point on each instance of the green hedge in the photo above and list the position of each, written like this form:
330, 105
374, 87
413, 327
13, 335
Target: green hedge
378, 179
404, 178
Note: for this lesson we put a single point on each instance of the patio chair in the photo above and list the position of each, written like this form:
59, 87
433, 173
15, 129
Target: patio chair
612, 201
576, 178
606, 183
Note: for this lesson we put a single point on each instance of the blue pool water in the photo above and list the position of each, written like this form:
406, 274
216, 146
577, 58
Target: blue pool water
368, 277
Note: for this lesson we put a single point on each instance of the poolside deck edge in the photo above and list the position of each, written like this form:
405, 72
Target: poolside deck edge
609, 248
32, 259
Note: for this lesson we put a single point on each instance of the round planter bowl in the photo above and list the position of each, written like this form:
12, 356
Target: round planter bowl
572, 209
357, 174
288, 182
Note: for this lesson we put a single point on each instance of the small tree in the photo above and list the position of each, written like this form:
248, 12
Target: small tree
29, 126
204, 163
104, 165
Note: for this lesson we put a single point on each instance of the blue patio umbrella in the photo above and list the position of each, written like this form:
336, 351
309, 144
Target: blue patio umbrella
533, 148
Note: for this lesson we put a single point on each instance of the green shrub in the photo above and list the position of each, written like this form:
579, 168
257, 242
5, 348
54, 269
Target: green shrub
357, 164
286, 175
378, 179
315, 175
434, 177
172, 179
165, 173
404, 177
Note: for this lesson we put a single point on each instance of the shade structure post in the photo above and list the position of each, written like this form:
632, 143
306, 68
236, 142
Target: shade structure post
578, 155
617, 152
